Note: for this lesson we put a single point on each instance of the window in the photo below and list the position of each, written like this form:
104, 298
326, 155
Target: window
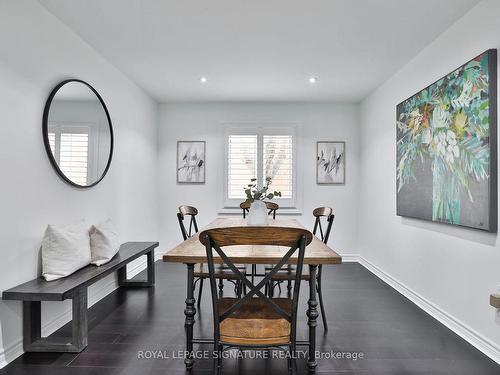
260, 152
70, 147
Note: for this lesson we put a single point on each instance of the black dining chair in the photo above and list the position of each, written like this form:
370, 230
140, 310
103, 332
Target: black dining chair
287, 273
193, 225
256, 320
201, 270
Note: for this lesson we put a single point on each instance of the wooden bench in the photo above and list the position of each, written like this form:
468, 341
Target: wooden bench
74, 287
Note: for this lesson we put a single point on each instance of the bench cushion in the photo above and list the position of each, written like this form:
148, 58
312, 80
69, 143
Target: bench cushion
104, 242
65, 249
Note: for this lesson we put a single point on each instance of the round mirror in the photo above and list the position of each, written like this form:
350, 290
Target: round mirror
77, 133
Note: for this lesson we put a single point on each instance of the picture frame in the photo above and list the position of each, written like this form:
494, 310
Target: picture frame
191, 162
446, 148
330, 162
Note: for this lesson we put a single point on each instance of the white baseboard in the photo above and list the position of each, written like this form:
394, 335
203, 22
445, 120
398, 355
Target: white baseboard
3, 362
15, 349
350, 258
473, 337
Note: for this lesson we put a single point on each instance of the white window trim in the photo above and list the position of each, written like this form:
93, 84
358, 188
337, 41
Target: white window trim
287, 206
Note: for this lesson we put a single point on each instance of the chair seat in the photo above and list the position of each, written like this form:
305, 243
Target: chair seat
201, 270
288, 273
255, 323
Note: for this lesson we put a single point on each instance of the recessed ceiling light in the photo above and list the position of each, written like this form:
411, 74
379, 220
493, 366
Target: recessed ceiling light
203, 79
312, 80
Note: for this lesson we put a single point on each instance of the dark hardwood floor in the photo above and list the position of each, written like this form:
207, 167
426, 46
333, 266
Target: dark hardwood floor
365, 315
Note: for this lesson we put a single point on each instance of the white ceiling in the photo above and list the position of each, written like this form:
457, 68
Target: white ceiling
258, 50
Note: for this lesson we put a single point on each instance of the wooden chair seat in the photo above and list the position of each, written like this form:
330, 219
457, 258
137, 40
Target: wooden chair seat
289, 274
255, 323
201, 270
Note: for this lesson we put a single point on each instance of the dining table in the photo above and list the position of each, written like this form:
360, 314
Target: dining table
192, 251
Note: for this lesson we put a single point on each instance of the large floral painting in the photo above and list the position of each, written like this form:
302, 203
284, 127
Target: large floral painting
446, 148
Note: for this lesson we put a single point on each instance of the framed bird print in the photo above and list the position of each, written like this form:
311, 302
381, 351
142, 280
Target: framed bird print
330, 162
191, 162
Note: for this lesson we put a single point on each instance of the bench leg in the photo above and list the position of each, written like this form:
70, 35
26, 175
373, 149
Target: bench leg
32, 325
122, 274
80, 320
33, 342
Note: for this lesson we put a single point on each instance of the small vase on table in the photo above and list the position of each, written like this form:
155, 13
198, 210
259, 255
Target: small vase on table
257, 214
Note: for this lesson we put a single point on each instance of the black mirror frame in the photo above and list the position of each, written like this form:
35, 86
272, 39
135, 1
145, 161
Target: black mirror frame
45, 128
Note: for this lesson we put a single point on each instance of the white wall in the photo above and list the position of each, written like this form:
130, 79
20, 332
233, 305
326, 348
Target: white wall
194, 121
37, 51
453, 269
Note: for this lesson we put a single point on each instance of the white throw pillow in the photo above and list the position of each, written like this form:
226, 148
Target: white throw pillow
104, 242
65, 249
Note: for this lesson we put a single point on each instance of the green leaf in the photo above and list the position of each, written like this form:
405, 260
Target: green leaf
270, 196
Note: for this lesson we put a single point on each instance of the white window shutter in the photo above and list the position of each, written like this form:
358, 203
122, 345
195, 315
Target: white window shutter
278, 163
242, 164
73, 158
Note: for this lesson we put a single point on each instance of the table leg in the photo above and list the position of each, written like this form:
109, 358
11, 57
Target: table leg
312, 315
189, 312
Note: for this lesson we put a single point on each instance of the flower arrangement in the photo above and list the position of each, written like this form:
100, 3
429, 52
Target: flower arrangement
253, 193
447, 124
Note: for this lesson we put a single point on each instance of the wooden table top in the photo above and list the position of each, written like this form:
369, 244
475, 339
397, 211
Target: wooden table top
192, 251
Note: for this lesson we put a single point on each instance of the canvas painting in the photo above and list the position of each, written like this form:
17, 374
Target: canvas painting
446, 148
330, 163
191, 162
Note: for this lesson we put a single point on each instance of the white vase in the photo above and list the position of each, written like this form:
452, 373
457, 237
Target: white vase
257, 214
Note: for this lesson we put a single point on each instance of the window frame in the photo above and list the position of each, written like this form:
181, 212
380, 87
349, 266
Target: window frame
287, 206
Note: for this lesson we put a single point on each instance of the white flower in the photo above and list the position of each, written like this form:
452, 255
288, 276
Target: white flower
465, 96
446, 146
440, 118
426, 136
